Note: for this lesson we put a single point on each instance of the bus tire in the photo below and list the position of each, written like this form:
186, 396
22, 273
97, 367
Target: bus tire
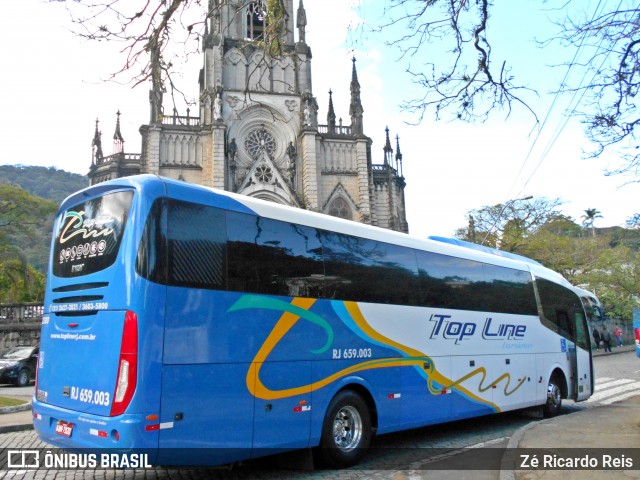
346, 430
554, 398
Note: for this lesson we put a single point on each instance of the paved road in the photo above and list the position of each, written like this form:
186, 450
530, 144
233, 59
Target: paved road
402, 456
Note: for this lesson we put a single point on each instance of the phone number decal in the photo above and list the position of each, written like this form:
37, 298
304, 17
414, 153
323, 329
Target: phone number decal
74, 307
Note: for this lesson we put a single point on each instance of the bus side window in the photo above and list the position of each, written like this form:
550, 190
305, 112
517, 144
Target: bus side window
582, 332
450, 282
562, 310
365, 270
564, 325
273, 257
196, 240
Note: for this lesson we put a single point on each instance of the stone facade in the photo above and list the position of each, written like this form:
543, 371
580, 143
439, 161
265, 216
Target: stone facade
257, 131
20, 324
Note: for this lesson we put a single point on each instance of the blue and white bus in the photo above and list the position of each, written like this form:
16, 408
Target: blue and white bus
636, 329
184, 319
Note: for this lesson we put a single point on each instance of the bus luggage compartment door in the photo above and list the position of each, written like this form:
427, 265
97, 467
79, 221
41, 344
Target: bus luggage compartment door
206, 414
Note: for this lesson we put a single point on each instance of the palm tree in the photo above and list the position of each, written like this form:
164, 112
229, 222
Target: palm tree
589, 217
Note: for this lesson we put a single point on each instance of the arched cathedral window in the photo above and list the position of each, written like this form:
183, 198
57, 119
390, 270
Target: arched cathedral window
340, 208
256, 13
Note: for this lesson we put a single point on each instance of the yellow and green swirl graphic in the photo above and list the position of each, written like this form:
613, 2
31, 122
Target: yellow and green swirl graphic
299, 308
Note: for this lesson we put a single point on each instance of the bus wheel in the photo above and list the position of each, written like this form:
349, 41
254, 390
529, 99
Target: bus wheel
554, 398
346, 430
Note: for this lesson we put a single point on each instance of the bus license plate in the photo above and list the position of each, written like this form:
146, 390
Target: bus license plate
64, 428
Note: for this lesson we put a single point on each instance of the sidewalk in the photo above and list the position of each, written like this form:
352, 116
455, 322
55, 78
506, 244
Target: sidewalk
614, 350
615, 426
13, 419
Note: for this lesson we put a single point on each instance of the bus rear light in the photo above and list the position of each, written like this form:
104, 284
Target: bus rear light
123, 381
127, 365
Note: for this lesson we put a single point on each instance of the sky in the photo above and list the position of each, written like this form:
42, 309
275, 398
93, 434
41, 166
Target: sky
54, 86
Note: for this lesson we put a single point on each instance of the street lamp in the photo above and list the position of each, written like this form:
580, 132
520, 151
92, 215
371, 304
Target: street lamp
504, 207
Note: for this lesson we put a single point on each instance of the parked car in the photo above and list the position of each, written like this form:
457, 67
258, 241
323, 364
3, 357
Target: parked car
18, 365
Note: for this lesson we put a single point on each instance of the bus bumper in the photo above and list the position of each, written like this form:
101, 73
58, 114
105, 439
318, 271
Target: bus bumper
77, 431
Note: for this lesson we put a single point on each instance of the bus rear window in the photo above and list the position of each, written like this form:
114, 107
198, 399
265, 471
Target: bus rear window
89, 235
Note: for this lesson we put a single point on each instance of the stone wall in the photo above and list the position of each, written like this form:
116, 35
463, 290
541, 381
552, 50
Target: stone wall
12, 335
20, 324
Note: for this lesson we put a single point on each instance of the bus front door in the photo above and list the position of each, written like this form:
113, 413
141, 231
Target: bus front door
580, 358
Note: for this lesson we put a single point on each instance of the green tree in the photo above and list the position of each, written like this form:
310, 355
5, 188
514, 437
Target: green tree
589, 217
615, 277
19, 281
633, 221
21, 211
569, 255
506, 225
601, 264
25, 231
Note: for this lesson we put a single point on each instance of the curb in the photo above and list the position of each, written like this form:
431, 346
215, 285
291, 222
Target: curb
16, 408
16, 428
508, 473
614, 351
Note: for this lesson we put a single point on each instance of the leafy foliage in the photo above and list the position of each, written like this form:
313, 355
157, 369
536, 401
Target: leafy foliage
603, 260
508, 224
19, 281
616, 276
29, 197
26, 222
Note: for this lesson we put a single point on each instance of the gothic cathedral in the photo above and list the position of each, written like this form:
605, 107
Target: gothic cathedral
257, 132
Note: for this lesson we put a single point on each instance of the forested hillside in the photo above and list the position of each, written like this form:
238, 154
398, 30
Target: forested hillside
29, 198
45, 182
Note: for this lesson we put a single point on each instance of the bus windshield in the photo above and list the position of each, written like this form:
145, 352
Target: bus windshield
89, 234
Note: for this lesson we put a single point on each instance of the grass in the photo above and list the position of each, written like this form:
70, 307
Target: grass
11, 402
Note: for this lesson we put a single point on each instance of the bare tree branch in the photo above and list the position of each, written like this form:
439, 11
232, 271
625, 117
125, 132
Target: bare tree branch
470, 86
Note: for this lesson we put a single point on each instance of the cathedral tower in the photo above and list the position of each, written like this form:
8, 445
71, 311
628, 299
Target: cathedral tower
257, 133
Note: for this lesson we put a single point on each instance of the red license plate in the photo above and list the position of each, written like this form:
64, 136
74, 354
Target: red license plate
64, 428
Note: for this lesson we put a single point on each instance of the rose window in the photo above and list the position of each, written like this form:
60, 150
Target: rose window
263, 174
259, 141
340, 208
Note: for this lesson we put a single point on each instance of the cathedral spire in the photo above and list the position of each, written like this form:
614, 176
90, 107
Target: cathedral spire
118, 141
96, 146
398, 156
355, 108
331, 115
388, 151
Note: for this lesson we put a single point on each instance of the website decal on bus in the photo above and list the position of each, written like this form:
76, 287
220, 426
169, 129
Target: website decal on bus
208, 324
